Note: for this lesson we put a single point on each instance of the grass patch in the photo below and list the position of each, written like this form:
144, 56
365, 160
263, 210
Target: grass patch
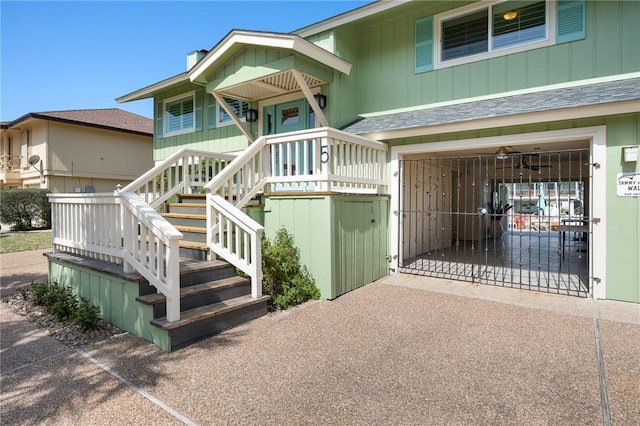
21, 241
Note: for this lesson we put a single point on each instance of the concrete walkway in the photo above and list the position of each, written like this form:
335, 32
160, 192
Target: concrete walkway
398, 351
19, 269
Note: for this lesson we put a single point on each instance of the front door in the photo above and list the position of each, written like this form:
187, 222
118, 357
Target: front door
291, 159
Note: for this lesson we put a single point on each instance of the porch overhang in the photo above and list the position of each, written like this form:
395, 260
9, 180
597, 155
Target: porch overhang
271, 79
237, 40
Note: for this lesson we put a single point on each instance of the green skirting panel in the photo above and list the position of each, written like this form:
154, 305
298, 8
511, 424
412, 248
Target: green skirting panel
343, 239
116, 298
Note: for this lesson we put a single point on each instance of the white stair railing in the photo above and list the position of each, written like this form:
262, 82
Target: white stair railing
182, 172
236, 238
323, 159
120, 228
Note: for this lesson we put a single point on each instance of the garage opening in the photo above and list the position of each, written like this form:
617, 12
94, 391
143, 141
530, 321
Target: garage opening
513, 218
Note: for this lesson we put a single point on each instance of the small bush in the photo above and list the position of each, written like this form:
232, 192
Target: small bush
61, 302
25, 209
284, 279
86, 315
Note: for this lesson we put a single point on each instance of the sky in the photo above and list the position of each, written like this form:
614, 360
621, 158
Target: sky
84, 54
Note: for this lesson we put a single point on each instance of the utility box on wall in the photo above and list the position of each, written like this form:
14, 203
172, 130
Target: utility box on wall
343, 239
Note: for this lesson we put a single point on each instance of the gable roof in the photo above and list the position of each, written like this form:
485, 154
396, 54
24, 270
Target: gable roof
624, 93
109, 119
232, 43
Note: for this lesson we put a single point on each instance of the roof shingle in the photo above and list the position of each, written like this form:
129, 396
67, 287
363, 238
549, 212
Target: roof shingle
108, 118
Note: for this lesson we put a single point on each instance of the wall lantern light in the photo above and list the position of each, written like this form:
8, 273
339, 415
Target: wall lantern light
321, 100
510, 15
251, 115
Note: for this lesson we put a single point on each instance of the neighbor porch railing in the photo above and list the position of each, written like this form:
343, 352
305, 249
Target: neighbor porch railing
323, 159
120, 228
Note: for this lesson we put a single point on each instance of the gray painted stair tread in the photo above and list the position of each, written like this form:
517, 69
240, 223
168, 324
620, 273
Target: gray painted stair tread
155, 298
192, 229
190, 265
208, 311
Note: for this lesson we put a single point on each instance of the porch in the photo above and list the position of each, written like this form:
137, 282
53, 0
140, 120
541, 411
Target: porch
124, 251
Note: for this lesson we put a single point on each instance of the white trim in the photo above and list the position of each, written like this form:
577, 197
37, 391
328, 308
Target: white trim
549, 39
348, 17
598, 238
597, 137
149, 91
282, 41
514, 120
165, 132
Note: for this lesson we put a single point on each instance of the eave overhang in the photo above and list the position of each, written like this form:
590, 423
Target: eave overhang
151, 90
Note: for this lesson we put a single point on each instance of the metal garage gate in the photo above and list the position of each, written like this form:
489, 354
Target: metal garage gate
512, 219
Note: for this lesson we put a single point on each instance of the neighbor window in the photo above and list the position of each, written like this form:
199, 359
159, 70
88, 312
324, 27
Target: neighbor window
484, 31
179, 115
238, 107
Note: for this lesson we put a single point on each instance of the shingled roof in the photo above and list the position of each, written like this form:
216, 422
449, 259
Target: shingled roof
547, 100
109, 118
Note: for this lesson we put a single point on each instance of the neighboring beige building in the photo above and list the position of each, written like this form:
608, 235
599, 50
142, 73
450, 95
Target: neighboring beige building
90, 150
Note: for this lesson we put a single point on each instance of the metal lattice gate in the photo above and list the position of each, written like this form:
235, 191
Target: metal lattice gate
516, 220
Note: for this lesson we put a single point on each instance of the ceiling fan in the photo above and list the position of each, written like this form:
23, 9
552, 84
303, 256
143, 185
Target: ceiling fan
506, 152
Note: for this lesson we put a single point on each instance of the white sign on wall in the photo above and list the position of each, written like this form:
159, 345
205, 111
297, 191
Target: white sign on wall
628, 185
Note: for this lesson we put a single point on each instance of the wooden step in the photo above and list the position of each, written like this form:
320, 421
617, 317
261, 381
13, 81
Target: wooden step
193, 245
185, 216
191, 229
194, 290
199, 323
207, 312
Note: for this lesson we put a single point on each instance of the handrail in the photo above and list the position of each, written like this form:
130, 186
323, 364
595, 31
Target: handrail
171, 177
151, 247
120, 228
237, 238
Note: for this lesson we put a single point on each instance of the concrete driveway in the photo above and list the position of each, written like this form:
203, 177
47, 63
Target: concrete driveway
398, 351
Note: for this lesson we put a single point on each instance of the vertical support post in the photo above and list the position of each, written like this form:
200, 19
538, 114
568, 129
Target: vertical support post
325, 158
256, 264
173, 281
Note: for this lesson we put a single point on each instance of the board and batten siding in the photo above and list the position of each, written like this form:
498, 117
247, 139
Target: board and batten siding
96, 153
343, 239
384, 65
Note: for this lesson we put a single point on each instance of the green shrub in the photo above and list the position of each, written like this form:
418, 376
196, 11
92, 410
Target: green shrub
61, 302
25, 209
86, 315
284, 279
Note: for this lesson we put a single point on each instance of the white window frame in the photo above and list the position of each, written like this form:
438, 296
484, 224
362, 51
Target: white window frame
438, 63
230, 122
165, 122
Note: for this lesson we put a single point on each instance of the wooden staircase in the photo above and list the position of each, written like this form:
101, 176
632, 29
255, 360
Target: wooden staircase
212, 297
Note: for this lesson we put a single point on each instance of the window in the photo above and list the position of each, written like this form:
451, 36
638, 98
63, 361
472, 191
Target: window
238, 107
482, 31
512, 23
179, 115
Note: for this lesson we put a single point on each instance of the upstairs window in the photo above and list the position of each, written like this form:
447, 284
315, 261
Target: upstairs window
482, 31
494, 27
179, 115
238, 107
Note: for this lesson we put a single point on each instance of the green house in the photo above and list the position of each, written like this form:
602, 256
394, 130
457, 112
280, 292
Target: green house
490, 142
